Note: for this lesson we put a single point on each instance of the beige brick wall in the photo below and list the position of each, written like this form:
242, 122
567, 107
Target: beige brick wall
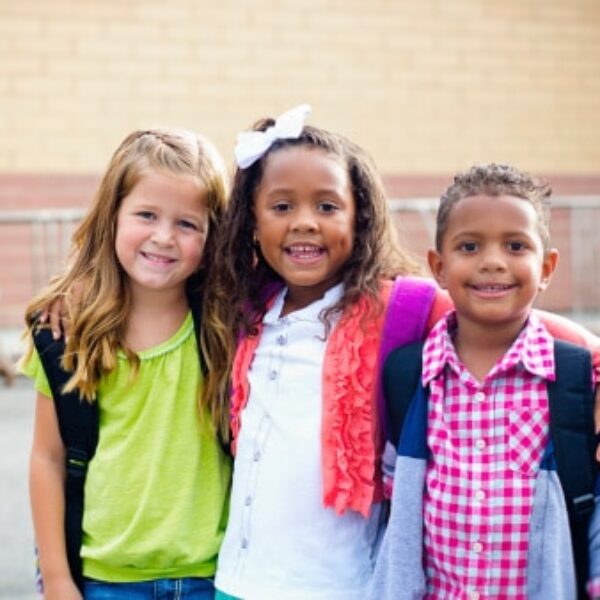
427, 86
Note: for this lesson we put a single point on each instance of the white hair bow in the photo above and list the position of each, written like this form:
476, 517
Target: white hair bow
251, 145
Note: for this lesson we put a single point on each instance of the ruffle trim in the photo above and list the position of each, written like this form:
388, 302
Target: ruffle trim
350, 444
239, 382
350, 436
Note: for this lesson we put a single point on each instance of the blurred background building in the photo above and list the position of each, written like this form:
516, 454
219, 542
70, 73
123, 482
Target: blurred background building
428, 87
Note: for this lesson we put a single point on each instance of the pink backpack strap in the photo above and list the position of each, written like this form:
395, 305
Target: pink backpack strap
405, 322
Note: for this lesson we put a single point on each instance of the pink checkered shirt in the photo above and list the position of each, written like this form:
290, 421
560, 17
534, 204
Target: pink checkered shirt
486, 441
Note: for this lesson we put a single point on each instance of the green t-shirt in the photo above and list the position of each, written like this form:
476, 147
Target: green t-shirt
157, 489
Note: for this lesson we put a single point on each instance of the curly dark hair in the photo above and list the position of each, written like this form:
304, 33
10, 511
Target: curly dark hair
244, 274
243, 280
496, 180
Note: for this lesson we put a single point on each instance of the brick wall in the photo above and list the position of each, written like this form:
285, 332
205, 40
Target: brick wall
32, 255
427, 86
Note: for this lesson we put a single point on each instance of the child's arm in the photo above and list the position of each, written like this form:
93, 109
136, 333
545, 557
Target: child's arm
46, 485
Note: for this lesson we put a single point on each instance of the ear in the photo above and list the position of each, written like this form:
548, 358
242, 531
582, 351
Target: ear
548, 267
436, 266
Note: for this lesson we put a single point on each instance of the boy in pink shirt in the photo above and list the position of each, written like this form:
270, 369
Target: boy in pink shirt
492, 521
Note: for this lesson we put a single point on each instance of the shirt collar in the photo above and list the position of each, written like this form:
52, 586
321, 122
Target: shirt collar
308, 313
533, 348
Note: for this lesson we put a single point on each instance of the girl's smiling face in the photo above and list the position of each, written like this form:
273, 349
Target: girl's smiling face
162, 225
305, 218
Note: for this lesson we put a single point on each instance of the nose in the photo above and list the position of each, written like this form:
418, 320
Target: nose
304, 219
492, 260
162, 234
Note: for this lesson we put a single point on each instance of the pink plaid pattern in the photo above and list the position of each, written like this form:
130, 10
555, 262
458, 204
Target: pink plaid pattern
486, 441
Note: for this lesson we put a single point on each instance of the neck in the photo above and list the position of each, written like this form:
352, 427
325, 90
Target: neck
298, 297
480, 346
154, 318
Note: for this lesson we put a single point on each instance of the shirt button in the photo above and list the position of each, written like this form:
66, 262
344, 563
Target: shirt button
272, 375
479, 396
477, 547
248, 500
480, 495
256, 456
281, 340
480, 444
244, 543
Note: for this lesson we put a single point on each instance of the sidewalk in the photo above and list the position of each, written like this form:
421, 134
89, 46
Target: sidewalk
17, 566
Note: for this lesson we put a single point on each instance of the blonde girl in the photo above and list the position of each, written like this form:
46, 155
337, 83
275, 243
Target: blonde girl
156, 488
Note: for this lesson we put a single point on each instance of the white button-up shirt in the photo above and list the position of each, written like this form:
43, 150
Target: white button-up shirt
281, 542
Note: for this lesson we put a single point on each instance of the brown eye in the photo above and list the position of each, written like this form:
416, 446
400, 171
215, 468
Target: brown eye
282, 207
327, 207
516, 246
468, 247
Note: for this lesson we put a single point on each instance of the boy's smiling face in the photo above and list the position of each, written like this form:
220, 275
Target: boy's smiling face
492, 260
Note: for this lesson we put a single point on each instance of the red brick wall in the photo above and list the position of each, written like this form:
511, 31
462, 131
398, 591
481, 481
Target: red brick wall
575, 285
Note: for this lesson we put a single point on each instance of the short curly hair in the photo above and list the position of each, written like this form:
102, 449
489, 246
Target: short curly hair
496, 180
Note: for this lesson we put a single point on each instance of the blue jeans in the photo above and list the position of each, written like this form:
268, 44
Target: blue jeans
188, 588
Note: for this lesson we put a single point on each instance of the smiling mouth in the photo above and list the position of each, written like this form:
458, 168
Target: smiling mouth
493, 289
304, 252
157, 259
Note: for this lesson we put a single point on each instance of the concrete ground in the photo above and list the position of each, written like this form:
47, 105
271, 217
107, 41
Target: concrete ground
17, 565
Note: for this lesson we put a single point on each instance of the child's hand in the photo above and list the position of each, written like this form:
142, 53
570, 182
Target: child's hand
61, 589
55, 314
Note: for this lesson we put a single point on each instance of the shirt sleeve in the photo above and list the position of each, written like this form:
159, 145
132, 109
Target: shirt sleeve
32, 367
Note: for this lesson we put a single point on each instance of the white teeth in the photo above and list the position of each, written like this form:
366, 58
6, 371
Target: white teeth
308, 251
304, 249
493, 288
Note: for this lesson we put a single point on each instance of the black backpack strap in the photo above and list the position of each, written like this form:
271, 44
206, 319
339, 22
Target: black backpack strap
571, 401
78, 425
401, 377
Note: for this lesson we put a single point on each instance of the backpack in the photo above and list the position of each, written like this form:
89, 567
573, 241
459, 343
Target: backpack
571, 403
78, 424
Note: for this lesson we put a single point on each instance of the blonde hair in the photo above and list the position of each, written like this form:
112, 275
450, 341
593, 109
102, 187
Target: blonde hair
94, 290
